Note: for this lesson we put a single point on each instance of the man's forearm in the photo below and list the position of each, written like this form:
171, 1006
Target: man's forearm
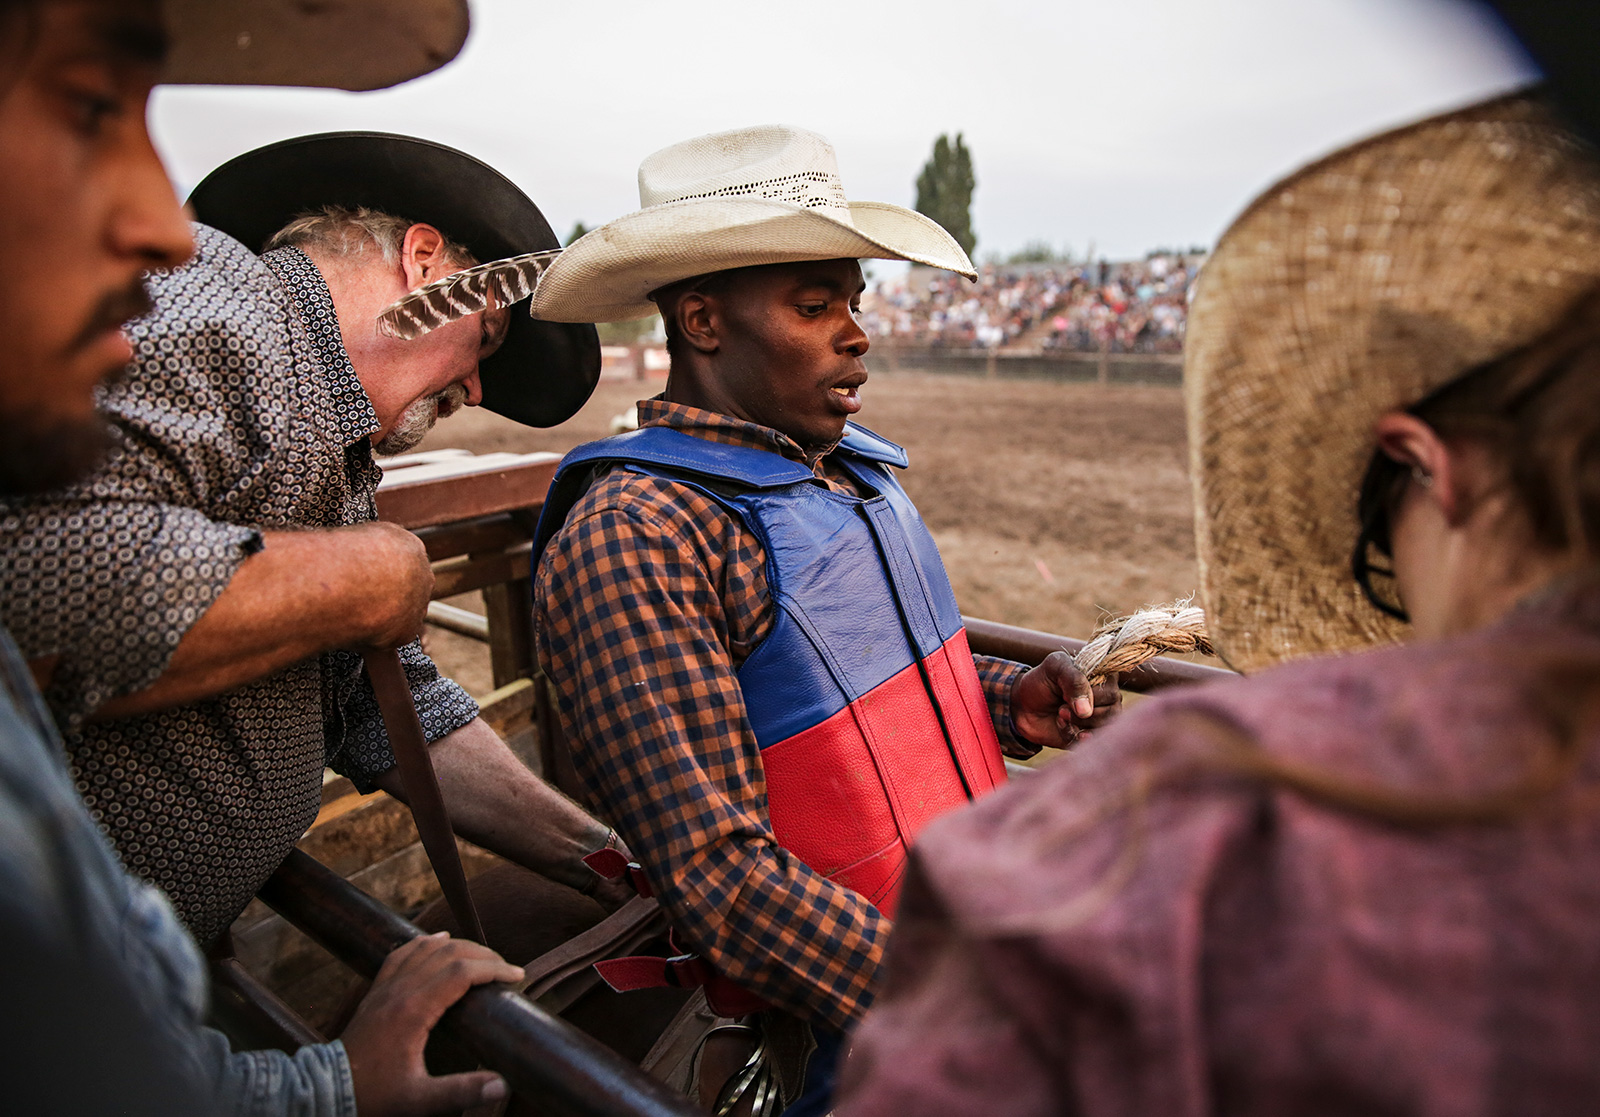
496, 802
303, 593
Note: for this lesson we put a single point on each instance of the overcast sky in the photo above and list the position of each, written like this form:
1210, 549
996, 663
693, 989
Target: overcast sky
1125, 124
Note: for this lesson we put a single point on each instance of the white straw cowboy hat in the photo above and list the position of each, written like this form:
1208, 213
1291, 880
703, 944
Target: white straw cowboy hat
1354, 287
343, 44
764, 195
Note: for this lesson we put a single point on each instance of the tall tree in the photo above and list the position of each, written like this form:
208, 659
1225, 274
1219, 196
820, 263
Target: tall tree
577, 231
944, 189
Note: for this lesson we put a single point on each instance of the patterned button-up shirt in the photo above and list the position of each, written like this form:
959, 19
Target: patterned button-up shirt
240, 413
646, 603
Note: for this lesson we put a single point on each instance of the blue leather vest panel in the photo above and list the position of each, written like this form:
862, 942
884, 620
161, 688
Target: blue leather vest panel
850, 577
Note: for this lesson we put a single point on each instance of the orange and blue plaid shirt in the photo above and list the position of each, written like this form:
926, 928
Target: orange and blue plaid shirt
646, 603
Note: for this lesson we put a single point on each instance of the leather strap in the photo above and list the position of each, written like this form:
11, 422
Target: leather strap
671, 1057
628, 928
421, 783
683, 971
612, 865
648, 971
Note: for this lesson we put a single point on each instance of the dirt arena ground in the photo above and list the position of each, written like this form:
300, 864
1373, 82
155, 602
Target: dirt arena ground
1053, 504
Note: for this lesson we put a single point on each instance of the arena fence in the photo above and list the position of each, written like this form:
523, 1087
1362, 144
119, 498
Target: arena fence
642, 362
1104, 368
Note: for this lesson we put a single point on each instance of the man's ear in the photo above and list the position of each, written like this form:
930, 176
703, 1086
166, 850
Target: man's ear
1417, 446
423, 258
699, 320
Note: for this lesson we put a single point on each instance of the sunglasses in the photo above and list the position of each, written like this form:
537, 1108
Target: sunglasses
1372, 561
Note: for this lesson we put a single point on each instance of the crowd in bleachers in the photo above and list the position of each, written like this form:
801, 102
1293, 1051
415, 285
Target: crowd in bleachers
1130, 307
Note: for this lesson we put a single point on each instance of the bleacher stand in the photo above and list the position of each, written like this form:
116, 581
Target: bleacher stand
1130, 307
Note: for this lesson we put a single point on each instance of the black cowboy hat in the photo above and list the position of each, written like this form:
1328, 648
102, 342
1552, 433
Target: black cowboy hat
1561, 36
544, 371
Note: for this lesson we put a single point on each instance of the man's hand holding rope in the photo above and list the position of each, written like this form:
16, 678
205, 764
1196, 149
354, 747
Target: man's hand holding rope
1055, 705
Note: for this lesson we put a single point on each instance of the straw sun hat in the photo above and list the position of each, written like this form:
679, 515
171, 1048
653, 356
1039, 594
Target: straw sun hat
764, 195
1354, 287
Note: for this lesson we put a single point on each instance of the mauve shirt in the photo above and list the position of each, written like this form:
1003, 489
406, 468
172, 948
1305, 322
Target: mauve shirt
1138, 930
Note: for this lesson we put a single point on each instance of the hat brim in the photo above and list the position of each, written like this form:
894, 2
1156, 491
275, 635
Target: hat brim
543, 372
607, 275
339, 44
1355, 287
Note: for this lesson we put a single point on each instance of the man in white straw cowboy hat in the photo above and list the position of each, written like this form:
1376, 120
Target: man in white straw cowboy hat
761, 668
1358, 883
104, 994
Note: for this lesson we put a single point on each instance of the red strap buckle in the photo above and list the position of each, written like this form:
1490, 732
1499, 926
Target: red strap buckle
648, 971
683, 971
611, 864
688, 971
639, 972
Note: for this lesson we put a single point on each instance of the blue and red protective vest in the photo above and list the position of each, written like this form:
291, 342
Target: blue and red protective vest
863, 697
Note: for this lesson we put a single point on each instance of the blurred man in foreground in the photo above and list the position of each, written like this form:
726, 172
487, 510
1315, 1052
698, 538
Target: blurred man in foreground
114, 1026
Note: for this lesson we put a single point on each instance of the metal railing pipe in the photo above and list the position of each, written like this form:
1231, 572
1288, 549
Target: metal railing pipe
1027, 645
462, 621
541, 1056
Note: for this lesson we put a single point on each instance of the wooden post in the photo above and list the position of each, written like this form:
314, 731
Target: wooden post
1105, 361
509, 607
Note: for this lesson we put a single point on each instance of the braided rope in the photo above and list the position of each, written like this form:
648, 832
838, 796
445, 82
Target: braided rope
1122, 645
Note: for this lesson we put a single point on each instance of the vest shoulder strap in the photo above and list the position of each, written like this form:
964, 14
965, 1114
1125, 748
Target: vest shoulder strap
677, 452
867, 444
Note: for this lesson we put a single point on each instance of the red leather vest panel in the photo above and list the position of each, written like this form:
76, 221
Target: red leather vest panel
849, 795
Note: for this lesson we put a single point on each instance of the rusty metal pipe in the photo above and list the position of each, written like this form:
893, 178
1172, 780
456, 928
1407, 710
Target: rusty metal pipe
541, 1056
245, 1003
1027, 645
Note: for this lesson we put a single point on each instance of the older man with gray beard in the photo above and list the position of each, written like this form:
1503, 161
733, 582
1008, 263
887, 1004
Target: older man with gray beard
418, 419
191, 605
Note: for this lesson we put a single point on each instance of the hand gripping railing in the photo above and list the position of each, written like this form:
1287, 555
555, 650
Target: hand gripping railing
541, 1056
